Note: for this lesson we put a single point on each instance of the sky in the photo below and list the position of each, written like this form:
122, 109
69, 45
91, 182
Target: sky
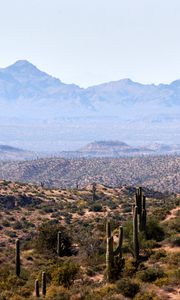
89, 42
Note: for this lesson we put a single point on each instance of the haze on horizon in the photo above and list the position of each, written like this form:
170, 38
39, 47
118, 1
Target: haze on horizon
90, 42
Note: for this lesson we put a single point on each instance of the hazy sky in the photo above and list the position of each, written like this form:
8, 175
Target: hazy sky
92, 41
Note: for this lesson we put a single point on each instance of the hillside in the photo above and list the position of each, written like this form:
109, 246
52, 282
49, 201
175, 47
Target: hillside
12, 153
109, 149
161, 173
34, 215
41, 113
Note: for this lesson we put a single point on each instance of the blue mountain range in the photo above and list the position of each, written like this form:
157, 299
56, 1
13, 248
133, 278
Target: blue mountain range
39, 112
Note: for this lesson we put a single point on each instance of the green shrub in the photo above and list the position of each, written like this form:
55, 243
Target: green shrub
173, 259
17, 225
96, 207
127, 287
8, 280
173, 225
160, 213
46, 239
174, 276
150, 274
57, 293
65, 274
158, 255
154, 231
130, 268
5, 223
175, 241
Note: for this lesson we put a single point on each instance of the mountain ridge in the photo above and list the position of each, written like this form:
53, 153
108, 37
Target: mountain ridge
28, 65
50, 113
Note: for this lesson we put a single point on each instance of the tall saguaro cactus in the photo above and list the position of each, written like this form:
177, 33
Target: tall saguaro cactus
109, 257
59, 243
109, 251
37, 294
135, 234
94, 191
141, 209
120, 241
44, 283
17, 258
144, 214
114, 261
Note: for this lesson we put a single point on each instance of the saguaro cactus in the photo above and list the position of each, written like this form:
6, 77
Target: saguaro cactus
108, 229
139, 206
94, 191
17, 258
120, 241
109, 251
143, 221
135, 234
37, 288
109, 257
141, 209
44, 283
118, 251
114, 261
59, 243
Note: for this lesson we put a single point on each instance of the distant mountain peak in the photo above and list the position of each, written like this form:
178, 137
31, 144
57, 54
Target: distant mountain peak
19, 64
23, 70
22, 62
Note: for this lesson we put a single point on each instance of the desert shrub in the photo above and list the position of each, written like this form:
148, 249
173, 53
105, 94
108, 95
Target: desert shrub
46, 239
8, 280
146, 296
127, 287
160, 213
92, 246
106, 290
10, 233
47, 209
158, 255
65, 274
130, 268
17, 225
57, 293
27, 224
116, 271
128, 232
97, 207
174, 276
150, 274
5, 223
175, 241
55, 215
127, 209
174, 225
144, 244
154, 231
6, 182
162, 281
113, 205
173, 259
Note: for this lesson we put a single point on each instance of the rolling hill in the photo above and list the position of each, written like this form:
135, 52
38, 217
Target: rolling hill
12, 153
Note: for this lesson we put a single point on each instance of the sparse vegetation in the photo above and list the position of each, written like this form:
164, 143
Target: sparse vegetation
62, 235
158, 173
